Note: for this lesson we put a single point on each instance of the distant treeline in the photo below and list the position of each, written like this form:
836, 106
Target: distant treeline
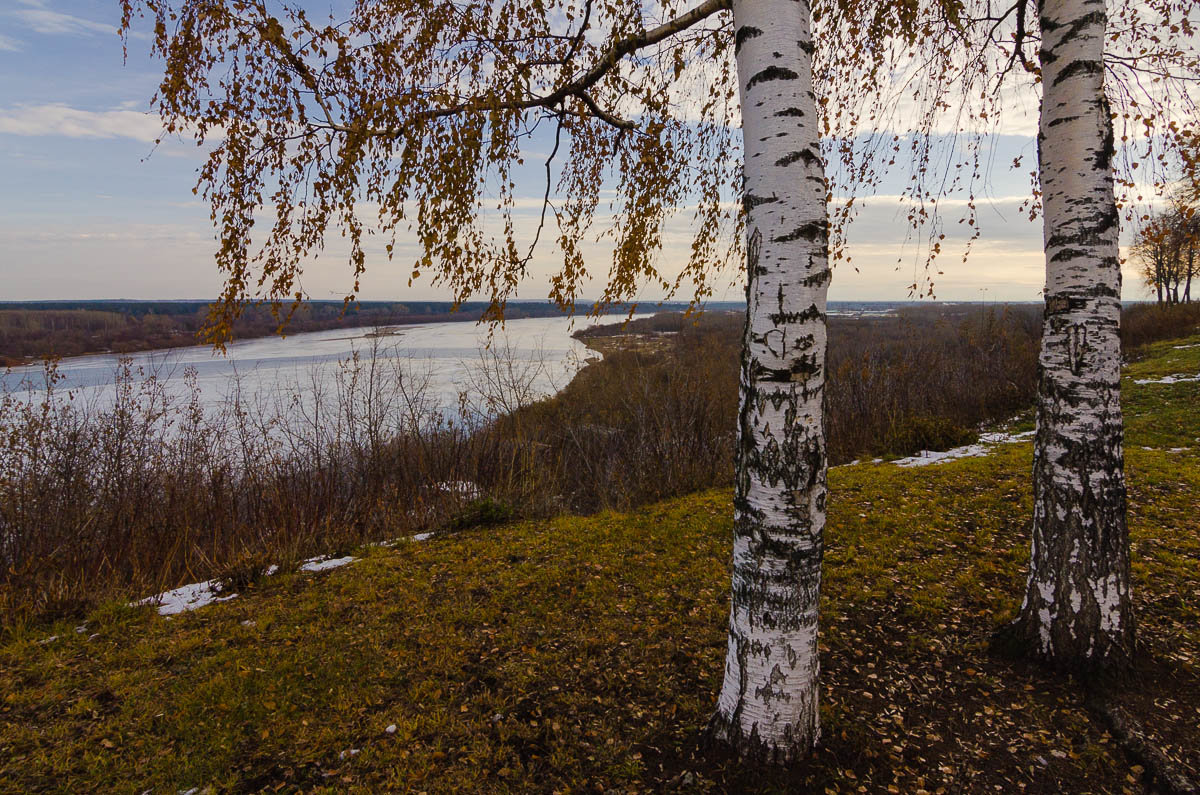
30, 330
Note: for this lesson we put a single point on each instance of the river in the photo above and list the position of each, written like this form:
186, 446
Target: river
446, 355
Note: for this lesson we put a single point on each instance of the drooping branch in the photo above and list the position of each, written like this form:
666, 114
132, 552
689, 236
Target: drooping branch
579, 88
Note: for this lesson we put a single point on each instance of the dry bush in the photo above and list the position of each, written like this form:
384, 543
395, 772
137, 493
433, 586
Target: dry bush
149, 490
1142, 324
927, 378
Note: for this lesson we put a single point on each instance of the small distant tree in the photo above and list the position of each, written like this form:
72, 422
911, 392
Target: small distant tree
1165, 250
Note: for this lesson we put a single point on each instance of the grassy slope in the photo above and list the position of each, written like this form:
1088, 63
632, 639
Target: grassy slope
584, 654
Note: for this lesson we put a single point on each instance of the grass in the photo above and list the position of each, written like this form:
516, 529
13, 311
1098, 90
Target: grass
583, 654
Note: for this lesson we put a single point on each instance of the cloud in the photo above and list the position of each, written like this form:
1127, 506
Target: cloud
59, 119
9, 44
40, 19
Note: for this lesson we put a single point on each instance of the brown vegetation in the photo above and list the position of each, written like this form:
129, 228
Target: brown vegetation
152, 491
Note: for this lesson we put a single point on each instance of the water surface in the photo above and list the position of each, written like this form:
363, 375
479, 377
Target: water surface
448, 355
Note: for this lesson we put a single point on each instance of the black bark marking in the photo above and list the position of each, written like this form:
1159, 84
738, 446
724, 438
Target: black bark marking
1062, 120
813, 231
1058, 304
1076, 68
753, 251
1108, 150
771, 73
1076, 26
818, 278
1077, 346
1067, 254
781, 317
744, 34
1090, 229
801, 369
804, 154
790, 112
750, 201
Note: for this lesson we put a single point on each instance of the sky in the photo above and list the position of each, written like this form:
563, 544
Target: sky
91, 209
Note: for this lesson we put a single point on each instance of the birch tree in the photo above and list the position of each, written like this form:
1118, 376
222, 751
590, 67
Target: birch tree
768, 701
423, 110
1077, 613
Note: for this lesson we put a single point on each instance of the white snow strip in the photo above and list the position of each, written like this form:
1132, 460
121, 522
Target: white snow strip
187, 597
1185, 347
983, 447
395, 542
463, 488
1177, 378
324, 564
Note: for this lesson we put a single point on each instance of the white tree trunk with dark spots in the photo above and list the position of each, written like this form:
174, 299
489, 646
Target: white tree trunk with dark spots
1077, 613
768, 702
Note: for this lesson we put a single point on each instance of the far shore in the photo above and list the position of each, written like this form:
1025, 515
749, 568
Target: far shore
33, 332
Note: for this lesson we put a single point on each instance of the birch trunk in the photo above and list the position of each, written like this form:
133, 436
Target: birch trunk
1191, 267
1077, 613
768, 703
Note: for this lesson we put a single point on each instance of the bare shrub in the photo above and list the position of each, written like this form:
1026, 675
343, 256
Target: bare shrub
149, 490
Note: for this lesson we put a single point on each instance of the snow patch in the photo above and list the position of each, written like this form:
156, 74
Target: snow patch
1185, 347
462, 488
1177, 378
325, 563
983, 447
187, 597
422, 536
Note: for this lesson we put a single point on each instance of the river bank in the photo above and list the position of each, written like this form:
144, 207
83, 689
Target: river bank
37, 329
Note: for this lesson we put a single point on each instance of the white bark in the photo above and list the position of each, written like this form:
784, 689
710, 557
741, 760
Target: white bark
768, 701
1077, 612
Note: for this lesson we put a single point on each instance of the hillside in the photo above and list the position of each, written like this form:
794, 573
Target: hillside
583, 654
